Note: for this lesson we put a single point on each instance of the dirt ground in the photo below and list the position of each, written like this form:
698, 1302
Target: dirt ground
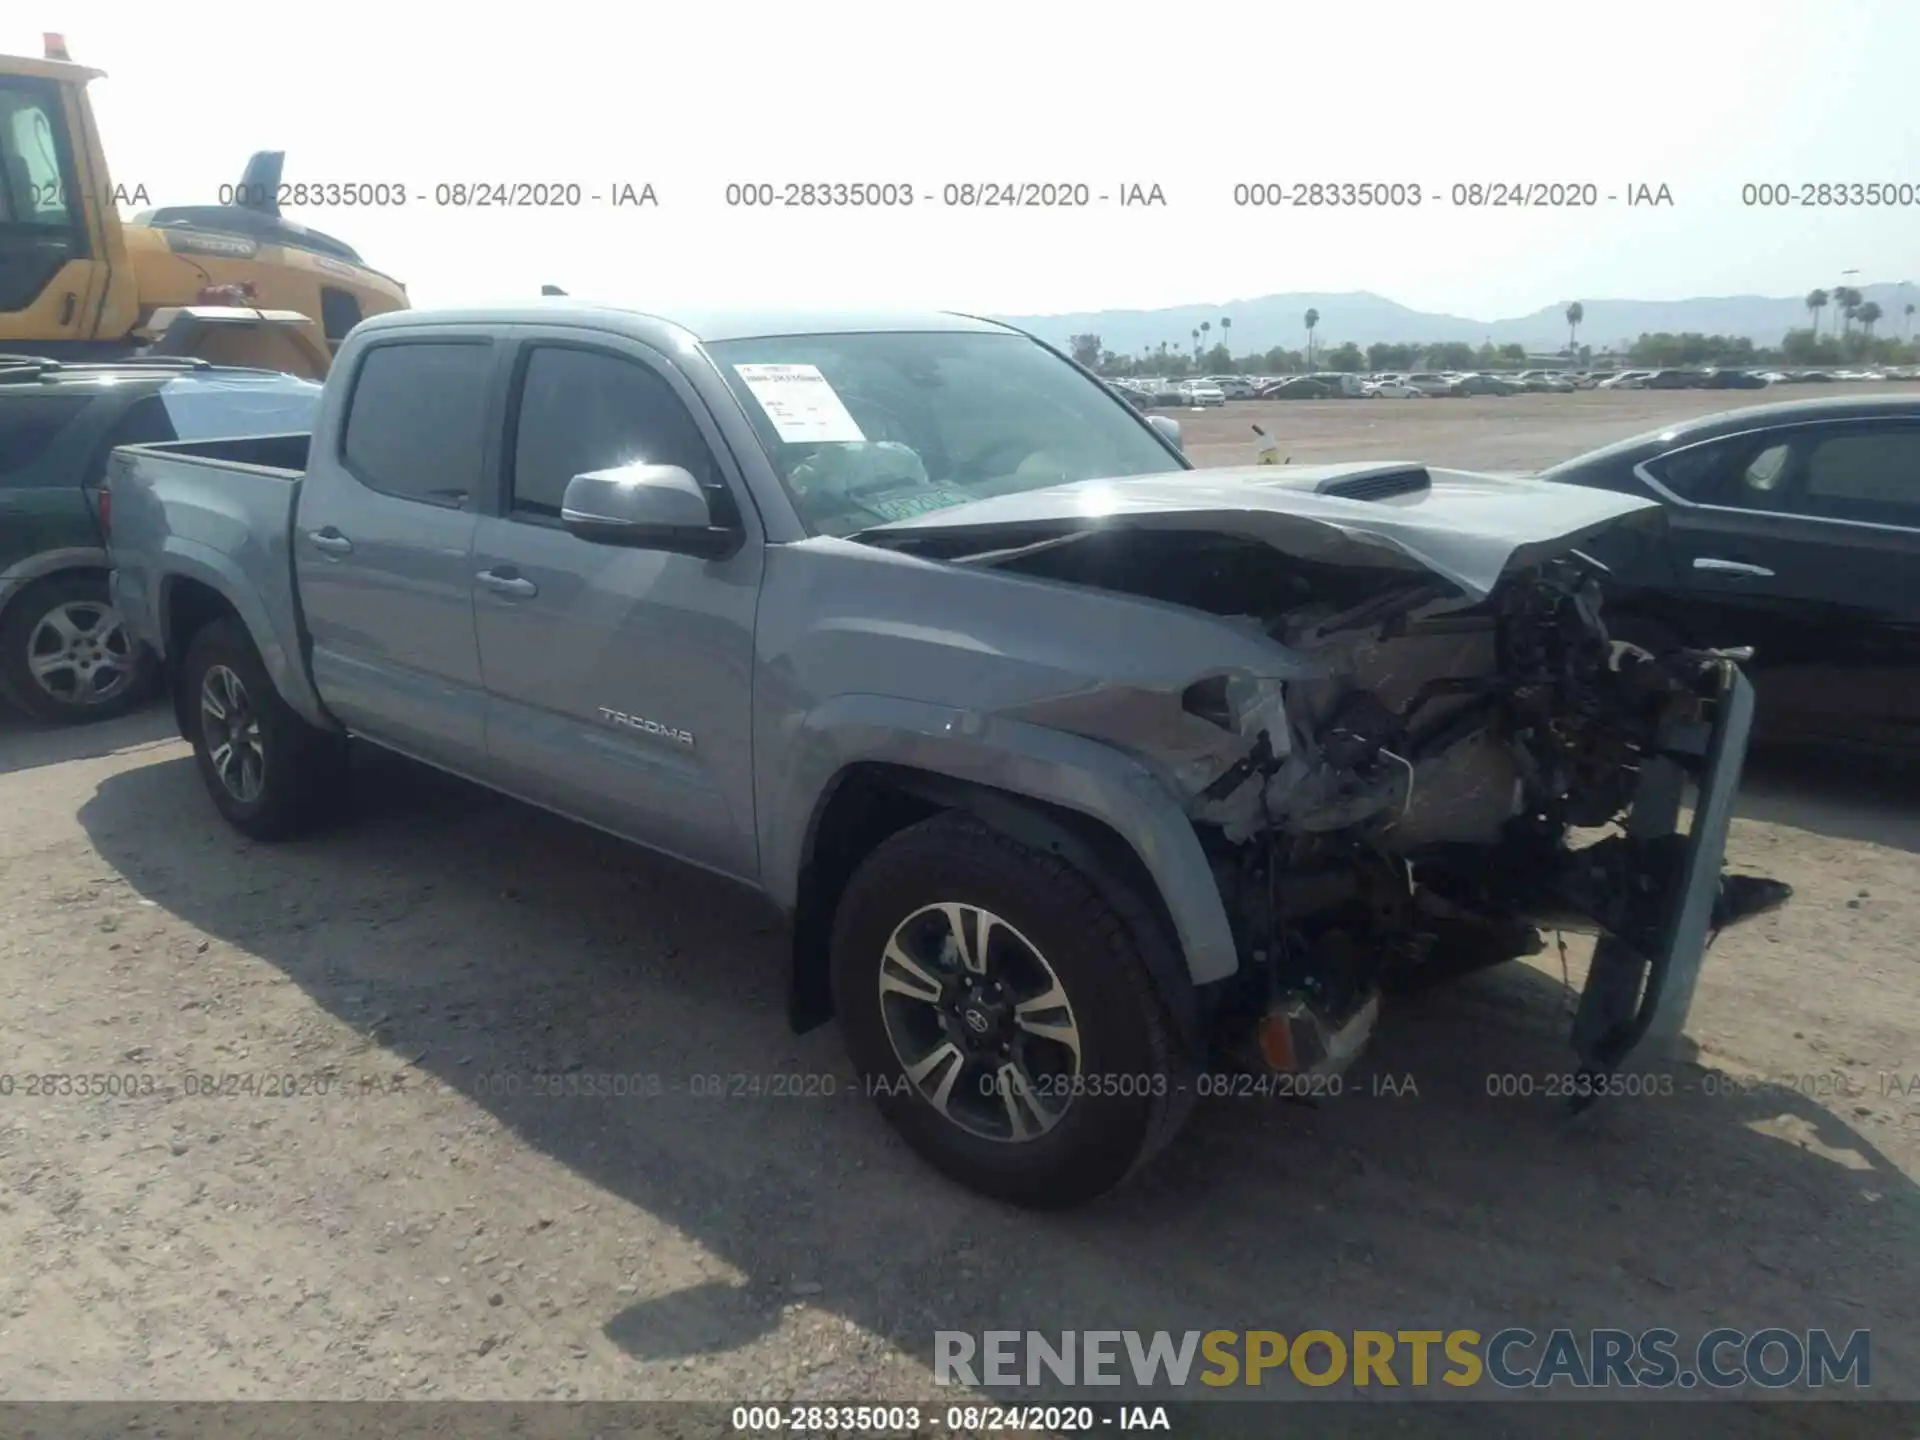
429, 1228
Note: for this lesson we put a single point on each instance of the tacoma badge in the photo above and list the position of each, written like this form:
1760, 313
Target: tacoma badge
648, 727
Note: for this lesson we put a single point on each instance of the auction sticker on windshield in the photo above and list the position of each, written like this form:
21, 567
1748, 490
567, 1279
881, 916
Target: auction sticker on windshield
803, 407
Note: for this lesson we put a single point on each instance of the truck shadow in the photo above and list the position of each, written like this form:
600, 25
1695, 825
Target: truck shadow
1442, 1188
28, 744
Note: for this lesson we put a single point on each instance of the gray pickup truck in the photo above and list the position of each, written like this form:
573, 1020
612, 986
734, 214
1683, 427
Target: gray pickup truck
1079, 773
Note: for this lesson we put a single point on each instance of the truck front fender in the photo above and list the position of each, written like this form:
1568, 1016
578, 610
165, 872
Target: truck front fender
1016, 757
187, 562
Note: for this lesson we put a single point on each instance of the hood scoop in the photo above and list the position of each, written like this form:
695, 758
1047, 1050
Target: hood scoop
1380, 484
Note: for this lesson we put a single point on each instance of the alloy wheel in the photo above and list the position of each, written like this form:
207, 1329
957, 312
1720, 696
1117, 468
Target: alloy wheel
80, 654
232, 731
980, 1022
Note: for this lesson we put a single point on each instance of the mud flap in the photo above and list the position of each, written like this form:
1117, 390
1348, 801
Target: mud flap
1630, 996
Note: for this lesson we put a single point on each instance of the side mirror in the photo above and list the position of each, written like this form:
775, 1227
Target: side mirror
1169, 428
646, 507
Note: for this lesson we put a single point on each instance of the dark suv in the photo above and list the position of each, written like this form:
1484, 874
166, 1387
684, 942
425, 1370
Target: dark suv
63, 652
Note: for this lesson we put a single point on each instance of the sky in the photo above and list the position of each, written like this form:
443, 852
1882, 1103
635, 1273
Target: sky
1699, 96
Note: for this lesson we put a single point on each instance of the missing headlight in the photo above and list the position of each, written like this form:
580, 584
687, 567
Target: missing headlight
1207, 700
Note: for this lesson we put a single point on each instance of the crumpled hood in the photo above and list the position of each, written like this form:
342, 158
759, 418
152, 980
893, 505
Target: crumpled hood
1468, 528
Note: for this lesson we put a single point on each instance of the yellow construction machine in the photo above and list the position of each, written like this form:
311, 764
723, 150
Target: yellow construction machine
235, 284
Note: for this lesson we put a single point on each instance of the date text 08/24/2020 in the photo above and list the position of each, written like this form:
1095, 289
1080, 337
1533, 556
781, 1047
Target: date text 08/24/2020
903, 1420
1059, 194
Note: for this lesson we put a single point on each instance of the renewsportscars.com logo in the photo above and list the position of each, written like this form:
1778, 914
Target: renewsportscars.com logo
1510, 1359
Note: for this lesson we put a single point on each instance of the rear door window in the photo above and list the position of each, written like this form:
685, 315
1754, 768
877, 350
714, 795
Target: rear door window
416, 420
1745, 472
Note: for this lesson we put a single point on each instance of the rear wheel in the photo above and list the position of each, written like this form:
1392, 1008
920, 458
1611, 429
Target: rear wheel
1002, 1014
271, 774
65, 656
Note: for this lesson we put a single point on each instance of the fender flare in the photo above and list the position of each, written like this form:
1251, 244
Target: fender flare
1091, 849
989, 756
188, 560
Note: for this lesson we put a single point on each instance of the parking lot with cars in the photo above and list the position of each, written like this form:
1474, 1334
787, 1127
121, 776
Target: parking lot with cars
1486, 432
466, 1100
1465, 384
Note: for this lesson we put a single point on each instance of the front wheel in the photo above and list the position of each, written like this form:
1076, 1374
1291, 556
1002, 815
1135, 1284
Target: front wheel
271, 774
1002, 1015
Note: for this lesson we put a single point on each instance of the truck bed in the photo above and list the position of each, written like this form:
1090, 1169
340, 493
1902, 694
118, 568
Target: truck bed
212, 516
283, 456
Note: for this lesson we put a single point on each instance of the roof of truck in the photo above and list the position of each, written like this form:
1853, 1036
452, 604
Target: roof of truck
704, 325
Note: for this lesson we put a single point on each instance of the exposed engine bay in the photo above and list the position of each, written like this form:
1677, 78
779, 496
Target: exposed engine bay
1426, 802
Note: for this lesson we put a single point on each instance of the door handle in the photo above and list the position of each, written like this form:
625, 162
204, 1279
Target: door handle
507, 584
1739, 569
330, 540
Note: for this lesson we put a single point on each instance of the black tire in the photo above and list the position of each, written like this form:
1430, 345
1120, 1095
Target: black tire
302, 770
23, 632
1127, 1045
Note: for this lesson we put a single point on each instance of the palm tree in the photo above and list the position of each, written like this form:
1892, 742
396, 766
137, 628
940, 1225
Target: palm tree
1226, 324
1816, 302
1196, 340
1870, 316
1313, 319
1909, 320
1848, 299
1206, 329
1576, 312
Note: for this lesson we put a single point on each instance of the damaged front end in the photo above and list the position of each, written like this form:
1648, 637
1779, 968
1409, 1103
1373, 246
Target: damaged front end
1460, 783
1447, 757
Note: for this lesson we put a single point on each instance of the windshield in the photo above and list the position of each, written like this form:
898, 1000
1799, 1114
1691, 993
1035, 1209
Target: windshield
874, 427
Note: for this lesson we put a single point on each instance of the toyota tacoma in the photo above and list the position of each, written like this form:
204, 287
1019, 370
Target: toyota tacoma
1077, 771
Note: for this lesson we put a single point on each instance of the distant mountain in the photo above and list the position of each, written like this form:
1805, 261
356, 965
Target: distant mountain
1365, 318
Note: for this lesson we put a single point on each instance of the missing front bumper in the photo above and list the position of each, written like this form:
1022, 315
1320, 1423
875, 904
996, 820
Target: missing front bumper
1633, 994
